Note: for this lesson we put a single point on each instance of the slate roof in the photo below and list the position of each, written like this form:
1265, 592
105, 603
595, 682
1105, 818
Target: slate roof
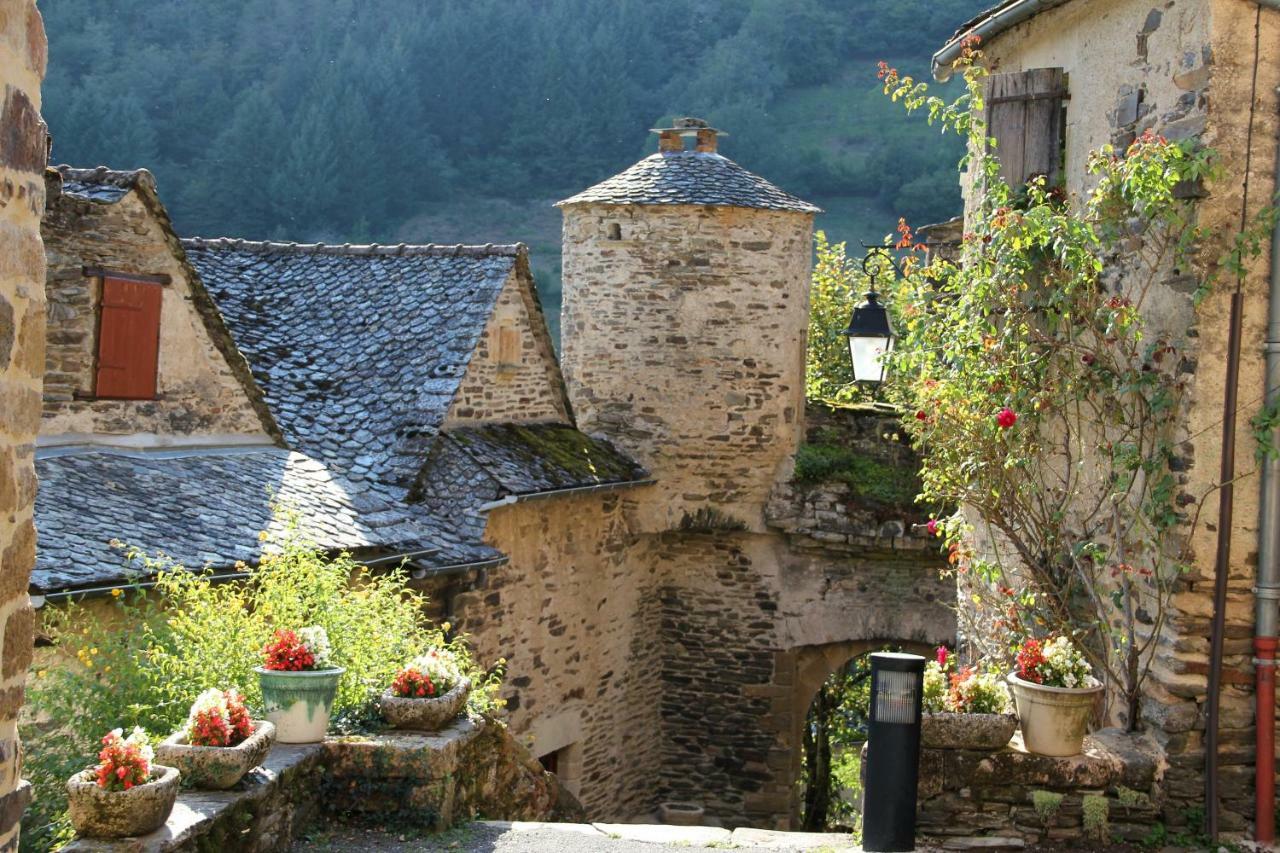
101, 184
358, 350
200, 507
690, 177
525, 459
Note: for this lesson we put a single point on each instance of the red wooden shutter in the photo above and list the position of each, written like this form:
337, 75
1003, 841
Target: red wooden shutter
128, 339
1024, 115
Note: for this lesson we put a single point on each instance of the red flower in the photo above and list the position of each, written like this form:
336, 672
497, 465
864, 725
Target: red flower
942, 656
1006, 417
411, 682
1030, 656
932, 527
287, 653
921, 416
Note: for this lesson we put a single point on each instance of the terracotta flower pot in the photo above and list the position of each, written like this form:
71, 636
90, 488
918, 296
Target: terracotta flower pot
426, 714
945, 730
98, 813
216, 768
1054, 720
299, 703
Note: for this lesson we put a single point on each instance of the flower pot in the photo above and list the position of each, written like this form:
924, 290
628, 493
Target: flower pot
98, 813
428, 715
681, 814
298, 703
1054, 720
216, 767
945, 730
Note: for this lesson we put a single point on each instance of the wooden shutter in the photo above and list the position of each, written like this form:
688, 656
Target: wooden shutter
1024, 115
128, 339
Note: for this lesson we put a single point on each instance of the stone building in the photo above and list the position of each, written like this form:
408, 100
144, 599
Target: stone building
23, 147
1103, 72
630, 539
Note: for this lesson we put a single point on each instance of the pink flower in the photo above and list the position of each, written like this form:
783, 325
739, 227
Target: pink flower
1006, 417
942, 655
932, 527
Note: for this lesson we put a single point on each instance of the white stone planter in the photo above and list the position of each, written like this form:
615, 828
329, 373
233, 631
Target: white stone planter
216, 768
428, 715
299, 703
98, 813
1054, 720
946, 730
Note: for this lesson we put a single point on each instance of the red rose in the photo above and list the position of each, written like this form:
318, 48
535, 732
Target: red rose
1006, 417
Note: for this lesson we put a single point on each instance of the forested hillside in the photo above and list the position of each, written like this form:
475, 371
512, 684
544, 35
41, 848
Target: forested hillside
462, 120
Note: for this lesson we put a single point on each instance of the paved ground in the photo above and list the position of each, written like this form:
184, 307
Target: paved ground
563, 838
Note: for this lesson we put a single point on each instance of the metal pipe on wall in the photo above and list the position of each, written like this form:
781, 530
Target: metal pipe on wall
1267, 588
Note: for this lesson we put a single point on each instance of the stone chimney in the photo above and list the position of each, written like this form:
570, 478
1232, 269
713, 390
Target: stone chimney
672, 138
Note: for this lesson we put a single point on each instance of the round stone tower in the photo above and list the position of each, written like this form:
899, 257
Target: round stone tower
686, 300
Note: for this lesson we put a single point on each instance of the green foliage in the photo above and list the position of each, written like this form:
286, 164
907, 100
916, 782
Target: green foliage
147, 659
1046, 804
1041, 399
428, 113
877, 483
1096, 810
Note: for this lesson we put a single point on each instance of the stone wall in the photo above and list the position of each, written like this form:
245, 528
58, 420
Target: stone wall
1185, 69
570, 616
683, 342
513, 375
972, 798
197, 392
23, 147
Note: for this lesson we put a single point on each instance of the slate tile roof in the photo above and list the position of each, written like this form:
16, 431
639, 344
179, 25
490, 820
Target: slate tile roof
690, 177
358, 349
523, 459
100, 184
199, 507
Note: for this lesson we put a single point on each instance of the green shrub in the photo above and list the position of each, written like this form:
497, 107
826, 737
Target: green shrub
875, 482
146, 660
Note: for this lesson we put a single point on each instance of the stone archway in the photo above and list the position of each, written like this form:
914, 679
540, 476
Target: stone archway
798, 675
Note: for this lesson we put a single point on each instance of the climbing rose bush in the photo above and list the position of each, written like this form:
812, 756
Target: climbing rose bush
1054, 663
124, 761
218, 718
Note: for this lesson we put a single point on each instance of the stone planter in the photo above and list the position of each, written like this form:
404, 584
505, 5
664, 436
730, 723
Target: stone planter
298, 703
946, 730
681, 814
427, 715
216, 768
1054, 720
98, 813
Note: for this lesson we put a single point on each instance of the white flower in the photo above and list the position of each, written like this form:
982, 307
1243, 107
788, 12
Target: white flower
316, 639
440, 665
139, 737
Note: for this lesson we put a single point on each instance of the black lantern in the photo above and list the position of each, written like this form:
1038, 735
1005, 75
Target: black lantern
870, 335
893, 752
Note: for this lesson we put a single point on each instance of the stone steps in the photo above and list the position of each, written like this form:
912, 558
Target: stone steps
691, 836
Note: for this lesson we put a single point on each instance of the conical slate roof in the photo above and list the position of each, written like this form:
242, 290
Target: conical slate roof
690, 177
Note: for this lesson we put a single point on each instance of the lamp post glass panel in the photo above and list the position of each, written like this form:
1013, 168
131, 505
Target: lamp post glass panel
870, 334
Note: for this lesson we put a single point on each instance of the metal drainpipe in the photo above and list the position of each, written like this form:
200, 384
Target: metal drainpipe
1267, 591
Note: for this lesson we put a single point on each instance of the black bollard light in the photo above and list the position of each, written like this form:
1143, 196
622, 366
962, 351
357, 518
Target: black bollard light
893, 753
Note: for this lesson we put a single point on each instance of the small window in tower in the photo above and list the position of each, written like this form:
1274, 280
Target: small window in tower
615, 231
128, 339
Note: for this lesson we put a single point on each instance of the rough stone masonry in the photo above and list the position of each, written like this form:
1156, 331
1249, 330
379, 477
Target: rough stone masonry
23, 147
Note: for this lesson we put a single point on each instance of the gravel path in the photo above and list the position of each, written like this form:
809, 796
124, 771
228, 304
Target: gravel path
482, 838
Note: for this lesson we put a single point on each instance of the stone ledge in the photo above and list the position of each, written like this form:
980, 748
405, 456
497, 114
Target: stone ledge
467, 768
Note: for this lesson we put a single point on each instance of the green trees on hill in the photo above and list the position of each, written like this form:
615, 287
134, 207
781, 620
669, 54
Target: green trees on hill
344, 119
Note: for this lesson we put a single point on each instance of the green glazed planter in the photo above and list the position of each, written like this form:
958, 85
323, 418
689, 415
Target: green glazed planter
298, 703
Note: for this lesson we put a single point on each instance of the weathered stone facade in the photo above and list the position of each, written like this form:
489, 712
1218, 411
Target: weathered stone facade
683, 342
1184, 69
23, 146
512, 375
203, 391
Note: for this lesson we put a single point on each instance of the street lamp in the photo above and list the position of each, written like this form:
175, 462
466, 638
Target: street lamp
870, 335
893, 752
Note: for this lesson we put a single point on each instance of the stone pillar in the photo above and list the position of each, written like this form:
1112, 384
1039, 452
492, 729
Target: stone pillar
23, 151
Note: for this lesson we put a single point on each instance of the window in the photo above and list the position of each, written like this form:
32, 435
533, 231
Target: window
1025, 116
615, 231
508, 346
128, 339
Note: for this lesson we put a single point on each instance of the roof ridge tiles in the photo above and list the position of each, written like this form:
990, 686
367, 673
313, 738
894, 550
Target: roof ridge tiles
354, 249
